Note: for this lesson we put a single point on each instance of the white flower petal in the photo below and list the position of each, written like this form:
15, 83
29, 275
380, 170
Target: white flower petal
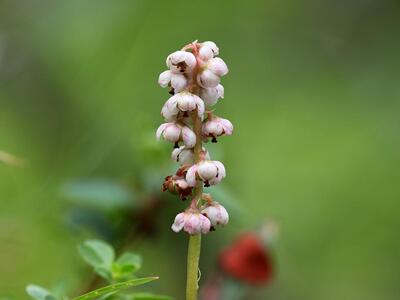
188, 137
191, 175
164, 78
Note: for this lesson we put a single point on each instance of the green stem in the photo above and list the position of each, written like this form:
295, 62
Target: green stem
194, 247
193, 266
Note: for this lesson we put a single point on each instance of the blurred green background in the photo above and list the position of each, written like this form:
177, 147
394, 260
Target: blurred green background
313, 92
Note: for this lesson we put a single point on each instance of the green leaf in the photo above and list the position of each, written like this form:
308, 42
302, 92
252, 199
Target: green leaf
39, 293
97, 253
126, 265
148, 296
114, 288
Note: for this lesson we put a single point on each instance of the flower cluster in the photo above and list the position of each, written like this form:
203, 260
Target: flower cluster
193, 78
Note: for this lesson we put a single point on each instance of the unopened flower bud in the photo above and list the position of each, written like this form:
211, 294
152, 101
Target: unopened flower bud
210, 96
211, 172
216, 213
175, 132
215, 127
191, 222
181, 62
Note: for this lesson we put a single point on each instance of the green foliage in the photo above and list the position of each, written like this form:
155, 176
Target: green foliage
113, 288
99, 193
39, 293
101, 256
127, 264
147, 296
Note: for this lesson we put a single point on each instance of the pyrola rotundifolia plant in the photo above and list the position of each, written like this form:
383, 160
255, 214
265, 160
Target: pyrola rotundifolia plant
193, 79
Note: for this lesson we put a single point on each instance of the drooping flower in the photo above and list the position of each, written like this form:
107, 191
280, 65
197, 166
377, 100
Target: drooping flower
210, 96
176, 132
211, 73
181, 62
185, 156
216, 126
176, 81
183, 102
211, 172
216, 213
208, 50
192, 222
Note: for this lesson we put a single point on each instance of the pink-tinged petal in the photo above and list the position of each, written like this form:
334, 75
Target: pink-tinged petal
220, 91
212, 46
188, 137
227, 125
168, 115
179, 222
217, 214
217, 66
175, 58
207, 170
160, 130
190, 60
207, 79
206, 53
200, 106
176, 153
178, 82
221, 169
205, 224
192, 224
171, 103
172, 133
164, 78
186, 102
191, 175
215, 180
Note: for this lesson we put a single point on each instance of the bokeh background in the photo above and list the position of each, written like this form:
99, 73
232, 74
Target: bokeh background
313, 92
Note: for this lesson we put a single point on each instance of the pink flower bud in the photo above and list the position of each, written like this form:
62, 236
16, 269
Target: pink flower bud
216, 213
191, 222
209, 171
215, 127
181, 62
175, 132
210, 96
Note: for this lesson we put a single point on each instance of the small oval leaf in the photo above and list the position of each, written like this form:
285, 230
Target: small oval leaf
39, 293
97, 253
